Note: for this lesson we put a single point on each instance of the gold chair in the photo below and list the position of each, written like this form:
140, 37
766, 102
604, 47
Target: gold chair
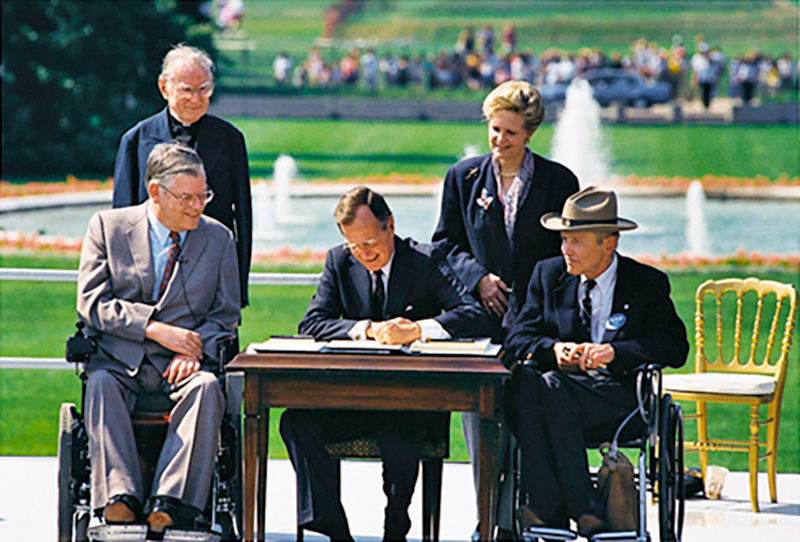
735, 373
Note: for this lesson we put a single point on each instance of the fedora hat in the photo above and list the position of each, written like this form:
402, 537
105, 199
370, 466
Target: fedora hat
591, 209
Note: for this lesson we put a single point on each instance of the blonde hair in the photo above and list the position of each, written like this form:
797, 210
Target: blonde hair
518, 97
193, 55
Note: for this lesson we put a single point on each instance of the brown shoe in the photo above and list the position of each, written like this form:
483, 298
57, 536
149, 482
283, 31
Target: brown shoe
162, 515
589, 524
121, 509
527, 518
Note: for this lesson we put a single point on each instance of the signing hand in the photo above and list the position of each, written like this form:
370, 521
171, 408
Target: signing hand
493, 292
180, 367
395, 331
174, 338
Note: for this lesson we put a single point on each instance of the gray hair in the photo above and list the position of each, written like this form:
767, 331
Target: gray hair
168, 160
188, 53
518, 97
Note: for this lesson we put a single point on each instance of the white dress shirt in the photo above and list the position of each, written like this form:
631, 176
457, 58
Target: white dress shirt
602, 298
431, 329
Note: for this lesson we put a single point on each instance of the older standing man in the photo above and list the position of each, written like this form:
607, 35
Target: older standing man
590, 318
187, 83
158, 288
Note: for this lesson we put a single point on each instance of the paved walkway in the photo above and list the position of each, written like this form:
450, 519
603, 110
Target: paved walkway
28, 498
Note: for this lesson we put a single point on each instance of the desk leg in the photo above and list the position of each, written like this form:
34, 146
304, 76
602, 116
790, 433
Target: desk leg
251, 425
263, 455
487, 498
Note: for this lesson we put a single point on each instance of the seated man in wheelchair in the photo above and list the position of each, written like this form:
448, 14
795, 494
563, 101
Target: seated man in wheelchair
590, 318
158, 288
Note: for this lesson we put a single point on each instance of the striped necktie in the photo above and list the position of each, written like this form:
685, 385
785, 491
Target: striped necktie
586, 309
172, 257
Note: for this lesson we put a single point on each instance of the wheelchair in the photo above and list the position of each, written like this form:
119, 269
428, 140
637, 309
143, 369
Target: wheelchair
658, 437
150, 417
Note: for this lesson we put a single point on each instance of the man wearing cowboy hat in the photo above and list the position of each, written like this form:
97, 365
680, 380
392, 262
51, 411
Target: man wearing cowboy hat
589, 319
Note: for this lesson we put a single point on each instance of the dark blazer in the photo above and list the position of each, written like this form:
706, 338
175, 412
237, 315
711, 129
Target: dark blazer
652, 332
221, 146
475, 239
420, 286
116, 280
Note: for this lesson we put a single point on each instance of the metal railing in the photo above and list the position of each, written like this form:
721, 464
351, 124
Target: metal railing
63, 275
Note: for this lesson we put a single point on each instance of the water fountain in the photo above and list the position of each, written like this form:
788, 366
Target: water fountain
578, 139
470, 150
696, 227
263, 211
285, 171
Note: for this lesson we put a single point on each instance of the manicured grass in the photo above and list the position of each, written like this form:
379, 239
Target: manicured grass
29, 400
342, 148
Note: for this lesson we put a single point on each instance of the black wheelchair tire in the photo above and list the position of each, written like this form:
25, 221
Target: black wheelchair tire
670, 471
66, 498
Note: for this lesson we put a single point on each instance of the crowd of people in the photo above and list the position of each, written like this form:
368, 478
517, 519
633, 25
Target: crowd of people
479, 60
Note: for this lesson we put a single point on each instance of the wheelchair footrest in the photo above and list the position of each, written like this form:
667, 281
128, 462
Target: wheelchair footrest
114, 533
617, 536
535, 533
138, 533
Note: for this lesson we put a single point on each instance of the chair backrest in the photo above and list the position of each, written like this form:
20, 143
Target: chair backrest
750, 314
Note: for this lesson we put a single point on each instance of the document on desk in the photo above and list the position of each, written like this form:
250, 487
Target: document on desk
456, 347
289, 344
367, 347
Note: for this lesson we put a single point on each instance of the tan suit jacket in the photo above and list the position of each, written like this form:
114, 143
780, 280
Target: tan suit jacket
116, 279
115, 288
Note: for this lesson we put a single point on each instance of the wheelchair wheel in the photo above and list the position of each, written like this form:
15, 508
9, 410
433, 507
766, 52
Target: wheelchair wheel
66, 496
72, 522
670, 471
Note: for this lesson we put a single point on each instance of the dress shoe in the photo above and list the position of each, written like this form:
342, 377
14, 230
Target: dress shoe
589, 524
122, 508
163, 513
504, 535
527, 518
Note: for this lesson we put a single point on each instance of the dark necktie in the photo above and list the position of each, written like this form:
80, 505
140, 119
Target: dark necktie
172, 257
378, 296
586, 309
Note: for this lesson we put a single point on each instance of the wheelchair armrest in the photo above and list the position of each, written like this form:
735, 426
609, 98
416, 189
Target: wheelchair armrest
80, 346
227, 349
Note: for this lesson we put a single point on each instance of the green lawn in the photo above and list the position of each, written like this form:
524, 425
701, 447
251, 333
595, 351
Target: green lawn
29, 400
343, 148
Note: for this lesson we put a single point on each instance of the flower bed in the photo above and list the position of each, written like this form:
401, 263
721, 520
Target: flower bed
285, 254
710, 182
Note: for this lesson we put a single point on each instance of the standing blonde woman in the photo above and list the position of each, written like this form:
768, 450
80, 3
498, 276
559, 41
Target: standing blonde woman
489, 226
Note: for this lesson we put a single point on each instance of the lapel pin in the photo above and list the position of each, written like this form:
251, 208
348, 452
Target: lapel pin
615, 321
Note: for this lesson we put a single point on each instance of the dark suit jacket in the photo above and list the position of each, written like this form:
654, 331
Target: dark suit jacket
652, 332
221, 146
116, 280
475, 239
420, 286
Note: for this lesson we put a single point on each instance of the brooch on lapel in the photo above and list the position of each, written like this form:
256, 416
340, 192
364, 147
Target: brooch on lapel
484, 201
472, 174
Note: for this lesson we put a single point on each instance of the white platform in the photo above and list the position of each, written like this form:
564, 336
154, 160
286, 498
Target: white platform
28, 500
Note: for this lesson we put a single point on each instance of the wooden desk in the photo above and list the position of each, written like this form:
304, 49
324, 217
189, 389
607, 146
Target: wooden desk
380, 382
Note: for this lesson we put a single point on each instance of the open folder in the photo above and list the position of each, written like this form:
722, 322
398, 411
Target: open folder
451, 347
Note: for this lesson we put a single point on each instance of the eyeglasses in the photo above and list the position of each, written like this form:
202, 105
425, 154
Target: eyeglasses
187, 199
355, 248
186, 92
